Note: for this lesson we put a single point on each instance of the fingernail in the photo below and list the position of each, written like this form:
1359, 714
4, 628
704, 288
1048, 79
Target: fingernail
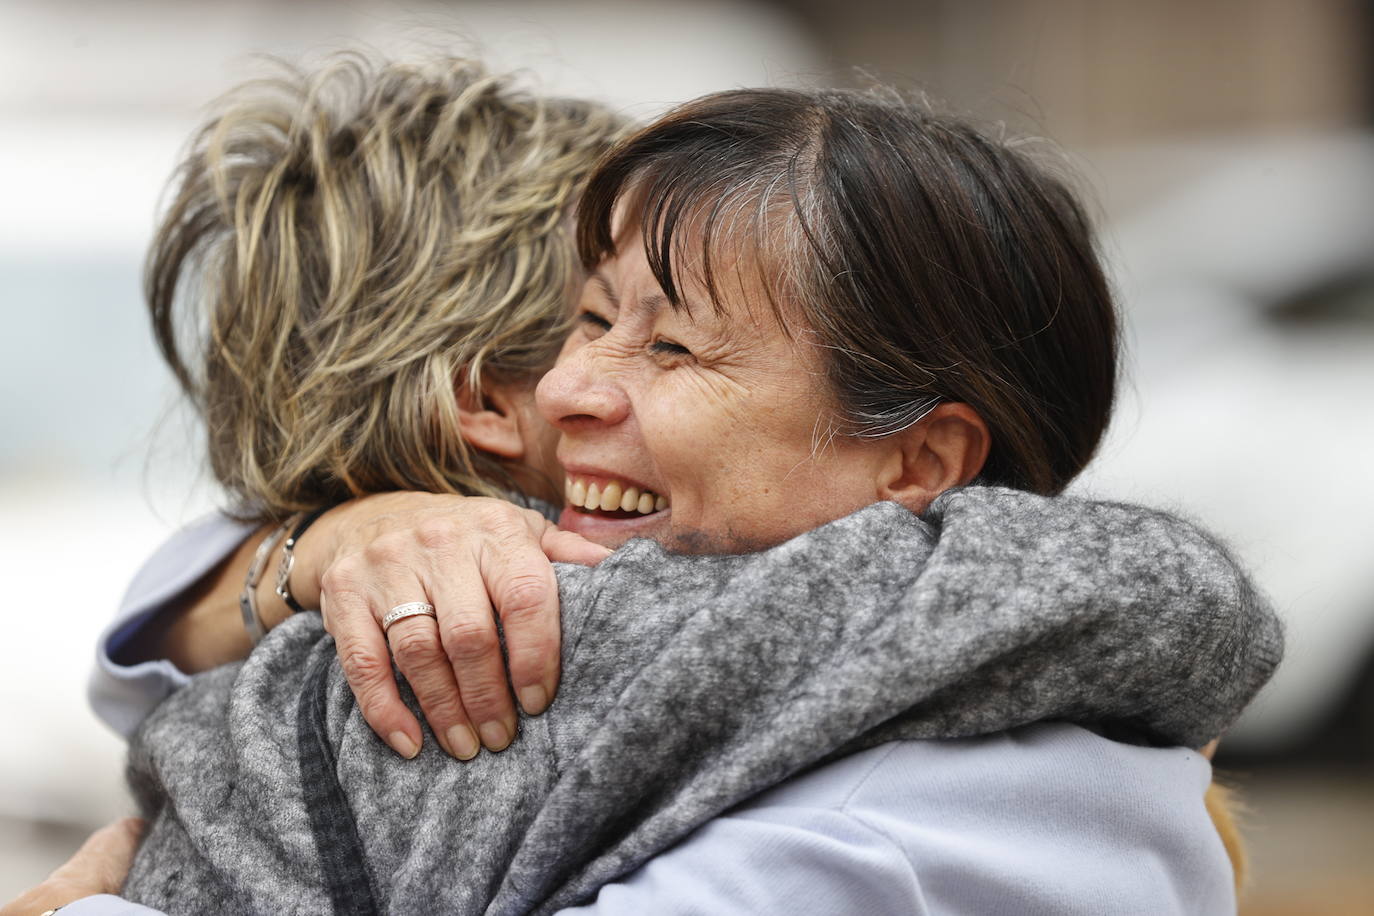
495, 736
462, 743
533, 699
400, 742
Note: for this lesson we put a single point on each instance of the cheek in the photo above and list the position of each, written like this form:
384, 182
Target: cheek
735, 464
698, 426
796, 478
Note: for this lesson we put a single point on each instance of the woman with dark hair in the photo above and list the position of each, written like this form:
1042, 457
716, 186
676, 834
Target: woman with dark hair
803, 309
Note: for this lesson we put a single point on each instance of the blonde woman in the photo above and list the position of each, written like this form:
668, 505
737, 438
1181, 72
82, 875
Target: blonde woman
362, 271
361, 274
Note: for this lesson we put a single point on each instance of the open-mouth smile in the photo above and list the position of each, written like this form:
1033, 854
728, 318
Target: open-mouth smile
611, 498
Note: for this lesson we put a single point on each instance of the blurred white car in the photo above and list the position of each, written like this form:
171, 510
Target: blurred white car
1249, 405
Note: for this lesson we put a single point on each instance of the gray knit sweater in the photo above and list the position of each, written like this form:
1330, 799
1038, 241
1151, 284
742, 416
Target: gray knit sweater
690, 684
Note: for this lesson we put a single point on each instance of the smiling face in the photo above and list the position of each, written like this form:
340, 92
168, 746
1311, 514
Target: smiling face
717, 414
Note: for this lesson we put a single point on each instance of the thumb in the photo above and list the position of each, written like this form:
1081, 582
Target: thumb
568, 547
106, 855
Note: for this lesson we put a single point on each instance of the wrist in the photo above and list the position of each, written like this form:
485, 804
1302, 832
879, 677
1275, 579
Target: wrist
282, 587
272, 611
281, 580
250, 610
313, 554
297, 564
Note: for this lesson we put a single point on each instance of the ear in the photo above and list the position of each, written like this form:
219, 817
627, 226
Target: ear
946, 449
490, 423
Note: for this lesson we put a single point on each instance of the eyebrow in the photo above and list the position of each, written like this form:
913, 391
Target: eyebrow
652, 302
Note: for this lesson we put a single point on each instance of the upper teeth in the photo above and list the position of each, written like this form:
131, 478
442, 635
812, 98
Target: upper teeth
614, 495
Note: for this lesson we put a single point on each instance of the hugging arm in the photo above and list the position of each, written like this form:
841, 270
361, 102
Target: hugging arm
428, 541
355, 563
792, 658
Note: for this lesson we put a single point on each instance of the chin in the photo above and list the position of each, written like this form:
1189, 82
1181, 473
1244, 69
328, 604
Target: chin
727, 542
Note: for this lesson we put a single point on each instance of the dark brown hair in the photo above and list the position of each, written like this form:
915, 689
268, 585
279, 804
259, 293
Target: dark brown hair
928, 260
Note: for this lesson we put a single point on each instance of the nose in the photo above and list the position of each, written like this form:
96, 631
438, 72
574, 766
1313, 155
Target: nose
577, 393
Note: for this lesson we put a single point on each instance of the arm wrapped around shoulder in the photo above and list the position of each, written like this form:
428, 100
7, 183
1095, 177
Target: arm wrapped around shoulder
1143, 617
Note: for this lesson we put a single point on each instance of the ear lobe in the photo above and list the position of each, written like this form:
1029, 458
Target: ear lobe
490, 423
946, 449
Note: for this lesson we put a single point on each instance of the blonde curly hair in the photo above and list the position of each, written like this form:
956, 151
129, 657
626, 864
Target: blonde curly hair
341, 248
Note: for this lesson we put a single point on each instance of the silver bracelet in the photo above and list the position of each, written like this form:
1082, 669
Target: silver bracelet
248, 598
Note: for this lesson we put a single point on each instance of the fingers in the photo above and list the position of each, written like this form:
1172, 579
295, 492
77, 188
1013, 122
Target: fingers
454, 665
420, 655
524, 591
471, 647
453, 554
497, 553
365, 658
416, 646
570, 547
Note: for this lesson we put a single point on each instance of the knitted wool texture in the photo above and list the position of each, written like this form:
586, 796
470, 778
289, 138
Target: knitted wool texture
689, 685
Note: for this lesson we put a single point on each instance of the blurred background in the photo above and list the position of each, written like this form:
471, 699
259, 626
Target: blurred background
1226, 143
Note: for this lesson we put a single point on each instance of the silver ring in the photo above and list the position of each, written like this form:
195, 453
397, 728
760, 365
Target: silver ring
409, 609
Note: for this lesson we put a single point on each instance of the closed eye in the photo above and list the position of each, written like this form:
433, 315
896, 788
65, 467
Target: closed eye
593, 320
668, 348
